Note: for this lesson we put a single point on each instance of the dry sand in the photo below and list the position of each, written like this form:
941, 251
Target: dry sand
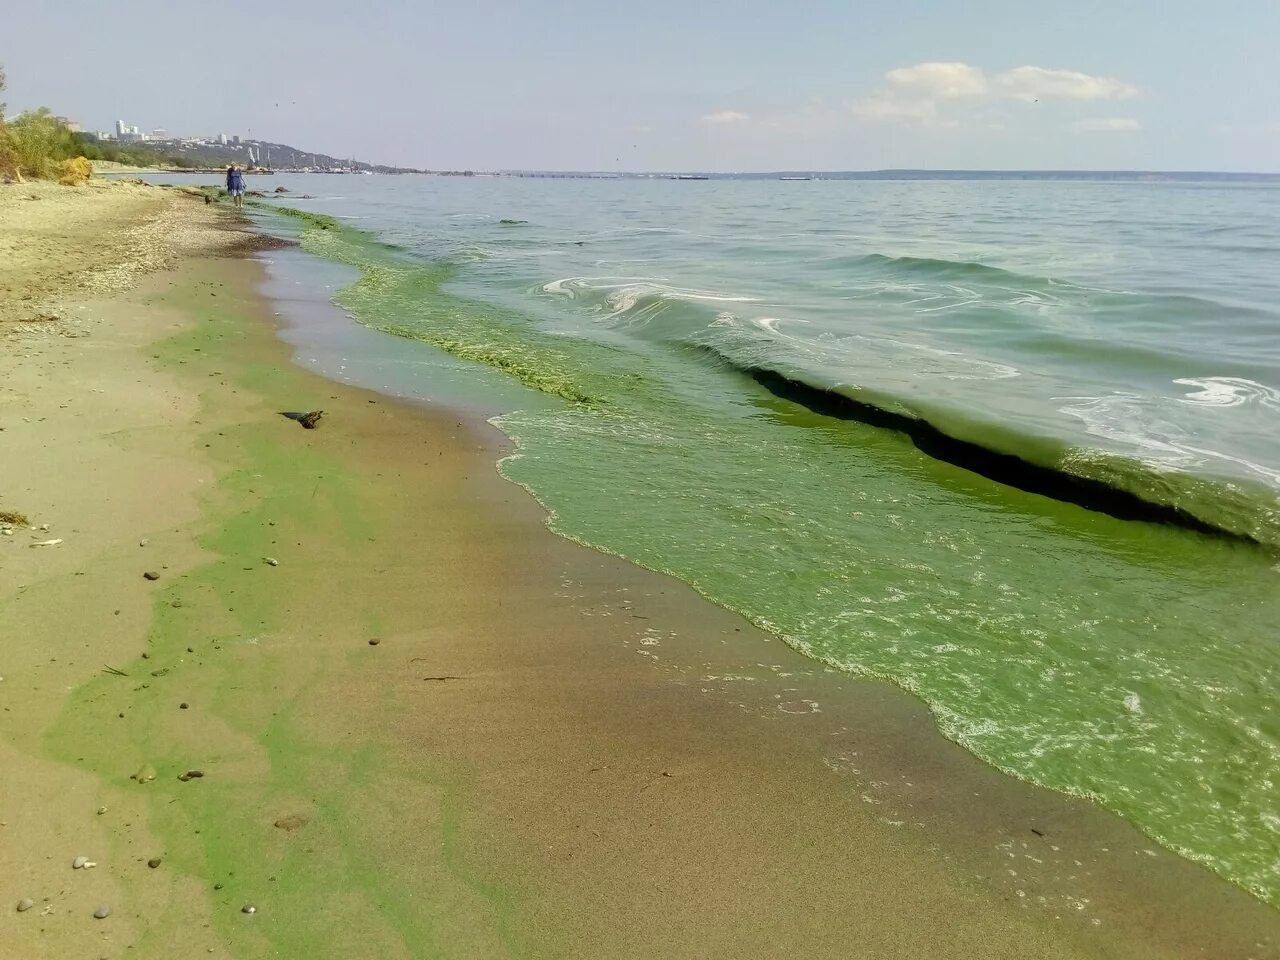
547, 753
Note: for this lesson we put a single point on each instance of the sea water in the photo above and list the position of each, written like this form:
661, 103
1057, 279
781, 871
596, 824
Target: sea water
1009, 444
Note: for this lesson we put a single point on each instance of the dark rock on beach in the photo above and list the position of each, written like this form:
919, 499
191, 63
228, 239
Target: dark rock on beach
308, 419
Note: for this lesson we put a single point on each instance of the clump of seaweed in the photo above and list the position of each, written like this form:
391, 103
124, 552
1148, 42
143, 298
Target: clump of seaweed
14, 519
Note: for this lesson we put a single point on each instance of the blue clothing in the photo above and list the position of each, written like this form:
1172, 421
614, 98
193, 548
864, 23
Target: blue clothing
235, 181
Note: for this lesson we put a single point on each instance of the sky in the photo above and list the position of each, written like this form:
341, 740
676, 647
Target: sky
667, 85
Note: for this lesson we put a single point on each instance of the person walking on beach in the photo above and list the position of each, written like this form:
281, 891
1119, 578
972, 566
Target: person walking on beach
235, 185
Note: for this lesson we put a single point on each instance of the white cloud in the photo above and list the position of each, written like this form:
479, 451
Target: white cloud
915, 93
726, 117
1037, 83
939, 80
1106, 125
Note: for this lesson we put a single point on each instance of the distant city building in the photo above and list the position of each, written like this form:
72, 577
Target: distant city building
236, 139
125, 132
222, 139
159, 133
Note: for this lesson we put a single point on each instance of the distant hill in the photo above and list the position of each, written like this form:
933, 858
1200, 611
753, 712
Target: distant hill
196, 154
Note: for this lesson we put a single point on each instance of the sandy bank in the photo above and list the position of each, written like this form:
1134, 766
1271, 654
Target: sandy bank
546, 753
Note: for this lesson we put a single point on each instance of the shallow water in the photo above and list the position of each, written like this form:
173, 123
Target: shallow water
891, 421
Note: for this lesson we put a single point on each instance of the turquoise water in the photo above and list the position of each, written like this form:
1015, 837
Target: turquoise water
1009, 445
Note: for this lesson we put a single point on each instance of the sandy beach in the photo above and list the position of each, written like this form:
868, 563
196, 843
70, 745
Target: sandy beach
340, 693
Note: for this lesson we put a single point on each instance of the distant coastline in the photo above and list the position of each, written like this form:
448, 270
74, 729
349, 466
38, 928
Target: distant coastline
1128, 176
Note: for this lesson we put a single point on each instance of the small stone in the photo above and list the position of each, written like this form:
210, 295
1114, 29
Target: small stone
101, 811
25, 904
183, 706
102, 912
374, 642
143, 542
248, 908
217, 886
151, 575
175, 603
271, 561
153, 862
191, 775
145, 774
79, 863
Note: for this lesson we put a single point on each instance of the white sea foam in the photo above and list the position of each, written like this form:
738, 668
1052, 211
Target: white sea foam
621, 295
1137, 423
1229, 392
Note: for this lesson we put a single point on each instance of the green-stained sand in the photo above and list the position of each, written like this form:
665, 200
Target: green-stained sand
296, 814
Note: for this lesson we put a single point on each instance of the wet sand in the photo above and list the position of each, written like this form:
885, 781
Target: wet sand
548, 752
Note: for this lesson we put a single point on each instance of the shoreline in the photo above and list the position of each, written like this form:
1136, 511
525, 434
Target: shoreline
568, 789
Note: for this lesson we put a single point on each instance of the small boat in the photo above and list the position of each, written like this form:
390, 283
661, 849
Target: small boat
795, 178
690, 176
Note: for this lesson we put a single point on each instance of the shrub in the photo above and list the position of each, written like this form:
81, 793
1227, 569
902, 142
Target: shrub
34, 138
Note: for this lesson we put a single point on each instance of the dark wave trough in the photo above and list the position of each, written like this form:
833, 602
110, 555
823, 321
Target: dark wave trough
999, 467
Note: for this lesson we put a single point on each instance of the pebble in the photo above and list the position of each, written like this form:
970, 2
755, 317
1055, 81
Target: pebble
153, 862
145, 774
101, 811
183, 706
79, 863
191, 775
374, 642
102, 912
143, 543
151, 575
25, 904
271, 561
248, 908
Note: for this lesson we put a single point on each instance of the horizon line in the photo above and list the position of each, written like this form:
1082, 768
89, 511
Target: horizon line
814, 171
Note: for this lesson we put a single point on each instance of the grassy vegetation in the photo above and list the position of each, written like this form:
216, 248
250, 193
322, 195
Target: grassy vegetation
36, 146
